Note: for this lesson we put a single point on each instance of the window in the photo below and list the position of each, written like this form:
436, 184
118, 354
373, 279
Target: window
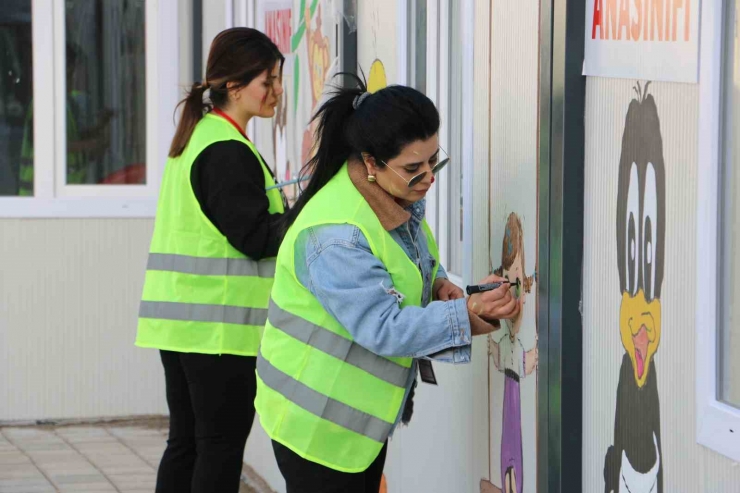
435, 68
718, 271
16, 99
729, 348
87, 94
105, 93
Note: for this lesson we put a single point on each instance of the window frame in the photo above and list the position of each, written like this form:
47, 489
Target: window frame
717, 423
438, 50
53, 198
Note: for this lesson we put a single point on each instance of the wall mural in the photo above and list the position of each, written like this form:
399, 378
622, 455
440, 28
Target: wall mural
377, 78
634, 463
305, 31
515, 361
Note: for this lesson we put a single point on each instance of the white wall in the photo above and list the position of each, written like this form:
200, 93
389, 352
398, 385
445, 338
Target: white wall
70, 290
514, 87
378, 36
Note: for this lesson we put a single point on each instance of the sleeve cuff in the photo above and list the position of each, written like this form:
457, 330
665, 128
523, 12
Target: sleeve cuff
480, 325
457, 311
460, 348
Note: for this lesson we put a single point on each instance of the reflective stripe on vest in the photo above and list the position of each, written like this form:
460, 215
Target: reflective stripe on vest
201, 294
321, 405
192, 312
335, 345
319, 392
186, 264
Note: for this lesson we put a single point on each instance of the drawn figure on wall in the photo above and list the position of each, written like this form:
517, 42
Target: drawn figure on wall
377, 79
635, 462
319, 63
512, 359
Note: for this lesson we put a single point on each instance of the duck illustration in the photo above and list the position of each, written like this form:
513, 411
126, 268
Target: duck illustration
634, 463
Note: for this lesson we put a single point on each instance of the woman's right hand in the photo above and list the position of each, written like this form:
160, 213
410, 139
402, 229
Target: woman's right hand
496, 304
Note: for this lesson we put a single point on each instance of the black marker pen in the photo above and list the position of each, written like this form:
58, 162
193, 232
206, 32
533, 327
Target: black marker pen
480, 288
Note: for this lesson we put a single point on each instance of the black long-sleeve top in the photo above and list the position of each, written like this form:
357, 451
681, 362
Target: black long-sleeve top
228, 182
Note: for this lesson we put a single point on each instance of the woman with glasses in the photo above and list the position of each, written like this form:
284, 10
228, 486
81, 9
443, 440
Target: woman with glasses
211, 265
360, 303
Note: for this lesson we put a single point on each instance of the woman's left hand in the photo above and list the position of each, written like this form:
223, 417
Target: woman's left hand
445, 290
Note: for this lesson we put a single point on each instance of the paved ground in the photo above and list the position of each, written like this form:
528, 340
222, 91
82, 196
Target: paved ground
106, 458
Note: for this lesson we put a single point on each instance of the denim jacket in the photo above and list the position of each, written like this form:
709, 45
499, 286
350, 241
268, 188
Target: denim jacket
335, 263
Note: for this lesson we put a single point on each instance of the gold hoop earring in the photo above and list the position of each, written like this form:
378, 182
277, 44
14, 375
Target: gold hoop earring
371, 178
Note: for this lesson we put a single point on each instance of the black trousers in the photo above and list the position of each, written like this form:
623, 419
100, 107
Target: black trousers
211, 402
303, 476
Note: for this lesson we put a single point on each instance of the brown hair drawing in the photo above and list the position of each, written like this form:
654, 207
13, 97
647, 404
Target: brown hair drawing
513, 245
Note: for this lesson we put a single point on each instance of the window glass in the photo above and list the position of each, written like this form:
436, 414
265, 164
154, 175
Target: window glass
16, 98
105, 92
729, 266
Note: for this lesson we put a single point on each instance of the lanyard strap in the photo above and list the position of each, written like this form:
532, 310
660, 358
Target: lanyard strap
226, 117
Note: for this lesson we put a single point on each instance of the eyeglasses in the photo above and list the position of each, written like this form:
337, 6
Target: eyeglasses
417, 178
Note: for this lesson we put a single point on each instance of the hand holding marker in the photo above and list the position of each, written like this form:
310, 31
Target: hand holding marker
480, 288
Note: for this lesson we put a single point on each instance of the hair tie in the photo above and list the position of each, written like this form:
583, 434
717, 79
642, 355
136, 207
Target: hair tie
359, 99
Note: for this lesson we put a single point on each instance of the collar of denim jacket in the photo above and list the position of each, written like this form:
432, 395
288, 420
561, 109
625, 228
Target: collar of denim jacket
390, 213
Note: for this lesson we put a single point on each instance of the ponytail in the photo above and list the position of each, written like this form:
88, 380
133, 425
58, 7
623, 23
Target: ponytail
333, 146
193, 108
353, 122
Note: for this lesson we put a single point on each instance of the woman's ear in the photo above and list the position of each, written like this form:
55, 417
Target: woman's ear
233, 90
369, 162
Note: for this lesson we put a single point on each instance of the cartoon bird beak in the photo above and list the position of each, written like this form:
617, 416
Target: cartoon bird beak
640, 332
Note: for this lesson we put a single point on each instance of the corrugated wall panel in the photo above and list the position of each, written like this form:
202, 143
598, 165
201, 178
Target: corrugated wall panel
687, 467
70, 290
513, 190
480, 416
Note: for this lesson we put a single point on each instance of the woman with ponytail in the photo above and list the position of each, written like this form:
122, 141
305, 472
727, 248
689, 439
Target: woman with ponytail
360, 303
211, 264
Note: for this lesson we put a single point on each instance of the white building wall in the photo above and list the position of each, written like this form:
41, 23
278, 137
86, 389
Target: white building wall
70, 290
514, 86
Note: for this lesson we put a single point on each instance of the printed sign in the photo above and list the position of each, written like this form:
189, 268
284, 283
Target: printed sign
643, 39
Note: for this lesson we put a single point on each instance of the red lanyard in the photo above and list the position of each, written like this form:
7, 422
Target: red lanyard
230, 120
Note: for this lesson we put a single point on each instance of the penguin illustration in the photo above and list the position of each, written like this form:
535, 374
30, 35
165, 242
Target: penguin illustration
635, 462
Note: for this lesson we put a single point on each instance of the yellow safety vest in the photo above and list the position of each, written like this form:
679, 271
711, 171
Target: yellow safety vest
201, 295
319, 393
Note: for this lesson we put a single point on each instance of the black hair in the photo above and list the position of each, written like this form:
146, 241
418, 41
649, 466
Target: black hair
381, 125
